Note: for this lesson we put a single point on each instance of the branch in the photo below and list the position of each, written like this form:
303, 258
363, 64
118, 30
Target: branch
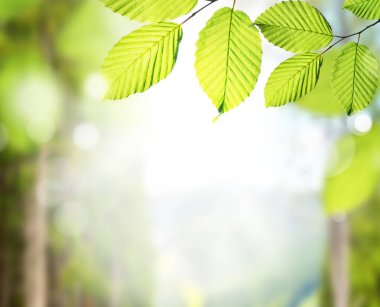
200, 10
351, 35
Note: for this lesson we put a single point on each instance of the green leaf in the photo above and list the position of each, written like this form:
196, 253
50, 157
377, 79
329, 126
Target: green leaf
228, 58
293, 79
356, 184
367, 9
151, 10
142, 59
295, 26
355, 77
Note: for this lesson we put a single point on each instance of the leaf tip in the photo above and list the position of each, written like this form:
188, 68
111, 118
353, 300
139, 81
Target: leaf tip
216, 118
269, 104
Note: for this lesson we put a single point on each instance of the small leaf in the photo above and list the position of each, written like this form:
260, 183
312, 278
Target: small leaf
295, 26
366, 9
293, 79
142, 59
228, 58
355, 77
151, 10
355, 184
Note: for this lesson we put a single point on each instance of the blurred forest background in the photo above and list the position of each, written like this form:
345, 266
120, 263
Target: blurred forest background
147, 203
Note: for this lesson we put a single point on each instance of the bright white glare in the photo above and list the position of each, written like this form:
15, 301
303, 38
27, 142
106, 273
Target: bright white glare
86, 136
95, 86
192, 295
360, 124
363, 123
4, 137
312, 137
41, 130
71, 219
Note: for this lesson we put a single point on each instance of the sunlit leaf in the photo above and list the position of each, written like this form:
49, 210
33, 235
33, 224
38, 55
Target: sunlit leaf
151, 10
293, 79
228, 58
142, 59
295, 26
355, 77
367, 9
355, 185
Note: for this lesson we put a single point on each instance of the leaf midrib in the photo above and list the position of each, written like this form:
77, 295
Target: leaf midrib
354, 80
145, 52
221, 108
298, 72
294, 29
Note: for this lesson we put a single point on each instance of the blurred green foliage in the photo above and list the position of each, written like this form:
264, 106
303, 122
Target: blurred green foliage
365, 254
13, 8
357, 182
31, 102
48, 49
86, 37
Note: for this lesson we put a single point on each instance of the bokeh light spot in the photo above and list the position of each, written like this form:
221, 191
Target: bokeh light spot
41, 130
95, 86
86, 136
360, 124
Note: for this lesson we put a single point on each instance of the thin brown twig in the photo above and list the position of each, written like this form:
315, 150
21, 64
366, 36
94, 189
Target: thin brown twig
200, 10
233, 5
342, 38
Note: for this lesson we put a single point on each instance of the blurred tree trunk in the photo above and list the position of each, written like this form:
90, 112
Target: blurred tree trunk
338, 264
5, 251
35, 237
16, 185
23, 204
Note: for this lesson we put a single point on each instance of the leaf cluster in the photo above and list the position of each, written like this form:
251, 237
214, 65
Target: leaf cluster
229, 52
